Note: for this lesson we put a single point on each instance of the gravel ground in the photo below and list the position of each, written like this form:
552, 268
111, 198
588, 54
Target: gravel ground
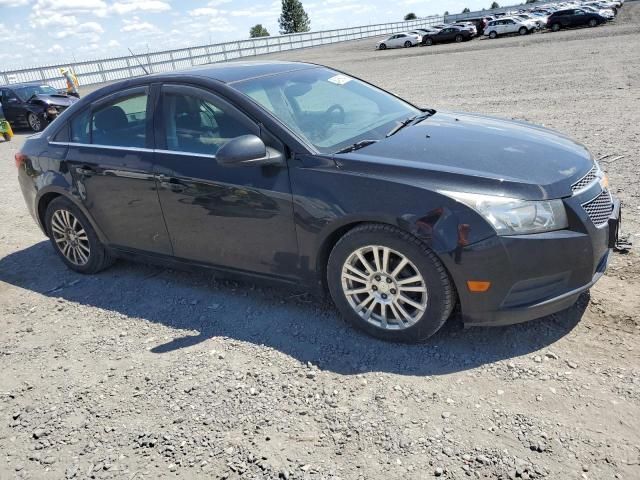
144, 372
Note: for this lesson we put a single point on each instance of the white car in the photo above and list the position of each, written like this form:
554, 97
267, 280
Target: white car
399, 40
506, 25
467, 26
605, 12
537, 22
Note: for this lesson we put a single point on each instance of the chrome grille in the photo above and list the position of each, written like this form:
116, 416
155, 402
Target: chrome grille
599, 209
586, 180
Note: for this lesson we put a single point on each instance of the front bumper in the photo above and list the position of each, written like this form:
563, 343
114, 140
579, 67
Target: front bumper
533, 276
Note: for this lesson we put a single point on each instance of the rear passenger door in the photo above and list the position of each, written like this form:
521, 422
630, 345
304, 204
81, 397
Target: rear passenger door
110, 160
238, 217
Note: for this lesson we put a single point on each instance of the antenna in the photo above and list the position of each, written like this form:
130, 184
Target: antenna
139, 62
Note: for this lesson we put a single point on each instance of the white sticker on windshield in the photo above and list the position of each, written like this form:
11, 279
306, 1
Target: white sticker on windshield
340, 79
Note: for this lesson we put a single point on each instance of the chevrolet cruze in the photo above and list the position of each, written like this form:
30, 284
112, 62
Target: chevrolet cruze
302, 174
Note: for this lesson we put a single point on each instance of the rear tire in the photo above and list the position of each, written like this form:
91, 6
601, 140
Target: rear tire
428, 42
459, 38
74, 239
429, 299
523, 31
493, 35
593, 22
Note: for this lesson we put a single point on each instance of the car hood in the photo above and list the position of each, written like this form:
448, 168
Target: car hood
476, 153
58, 100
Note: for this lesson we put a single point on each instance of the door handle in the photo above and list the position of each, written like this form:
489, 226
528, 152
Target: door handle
85, 171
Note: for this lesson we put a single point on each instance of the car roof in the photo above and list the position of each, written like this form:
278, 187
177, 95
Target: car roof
230, 72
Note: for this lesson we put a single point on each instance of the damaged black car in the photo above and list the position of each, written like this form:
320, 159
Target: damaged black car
32, 105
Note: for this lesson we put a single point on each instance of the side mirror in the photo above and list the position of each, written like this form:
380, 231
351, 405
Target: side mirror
247, 150
12, 100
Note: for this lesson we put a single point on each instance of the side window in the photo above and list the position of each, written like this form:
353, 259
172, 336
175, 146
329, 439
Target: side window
80, 128
122, 123
195, 125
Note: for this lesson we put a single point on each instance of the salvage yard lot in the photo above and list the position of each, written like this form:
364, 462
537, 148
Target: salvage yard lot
145, 372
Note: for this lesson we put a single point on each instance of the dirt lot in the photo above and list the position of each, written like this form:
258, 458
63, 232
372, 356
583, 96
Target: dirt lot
143, 372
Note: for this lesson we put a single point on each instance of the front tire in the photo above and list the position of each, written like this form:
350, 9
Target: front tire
382, 46
459, 38
36, 123
389, 284
523, 31
74, 239
493, 35
593, 22
407, 44
555, 27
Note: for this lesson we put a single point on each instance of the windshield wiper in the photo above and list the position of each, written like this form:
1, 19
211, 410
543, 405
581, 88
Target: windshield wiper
356, 146
413, 120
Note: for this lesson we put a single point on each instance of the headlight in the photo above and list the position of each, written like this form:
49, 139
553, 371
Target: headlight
512, 216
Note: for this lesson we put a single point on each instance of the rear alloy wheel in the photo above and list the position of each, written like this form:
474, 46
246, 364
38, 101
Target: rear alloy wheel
555, 27
492, 35
523, 31
389, 284
382, 46
428, 42
35, 122
593, 22
74, 239
407, 44
459, 38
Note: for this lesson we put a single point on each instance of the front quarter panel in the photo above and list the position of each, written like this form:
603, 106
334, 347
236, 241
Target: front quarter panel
328, 199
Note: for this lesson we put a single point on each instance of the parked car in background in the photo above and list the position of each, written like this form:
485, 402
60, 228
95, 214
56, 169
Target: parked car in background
509, 25
467, 26
32, 105
602, 6
448, 34
573, 17
537, 22
399, 40
605, 12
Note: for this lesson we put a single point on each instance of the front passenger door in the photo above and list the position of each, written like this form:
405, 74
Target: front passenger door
238, 217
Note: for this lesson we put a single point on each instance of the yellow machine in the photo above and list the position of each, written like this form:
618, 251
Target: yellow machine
5, 128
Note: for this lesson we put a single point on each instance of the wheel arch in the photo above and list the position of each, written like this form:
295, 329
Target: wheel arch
46, 196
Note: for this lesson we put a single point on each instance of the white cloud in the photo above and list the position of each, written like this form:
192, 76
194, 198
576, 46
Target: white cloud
70, 7
124, 7
113, 44
56, 49
53, 20
204, 12
13, 3
137, 25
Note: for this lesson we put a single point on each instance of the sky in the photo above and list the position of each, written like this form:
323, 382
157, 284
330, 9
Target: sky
41, 32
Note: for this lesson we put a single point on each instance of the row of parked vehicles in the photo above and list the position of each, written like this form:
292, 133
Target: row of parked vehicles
521, 22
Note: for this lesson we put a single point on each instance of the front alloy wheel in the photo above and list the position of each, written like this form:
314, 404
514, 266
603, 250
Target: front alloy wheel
35, 122
389, 284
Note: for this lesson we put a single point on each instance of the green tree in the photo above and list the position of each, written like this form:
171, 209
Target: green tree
293, 18
410, 16
446, 13
466, 10
495, 5
258, 31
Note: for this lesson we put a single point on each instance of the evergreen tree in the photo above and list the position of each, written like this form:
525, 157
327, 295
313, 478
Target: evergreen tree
293, 18
466, 10
495, 5
410, 16
258, 31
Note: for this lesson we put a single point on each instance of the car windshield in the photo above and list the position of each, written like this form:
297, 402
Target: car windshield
25, 93
329, 110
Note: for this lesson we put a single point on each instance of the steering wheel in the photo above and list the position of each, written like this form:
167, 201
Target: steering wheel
335, 113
